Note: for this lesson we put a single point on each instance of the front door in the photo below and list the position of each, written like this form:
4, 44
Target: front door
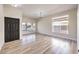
11, 29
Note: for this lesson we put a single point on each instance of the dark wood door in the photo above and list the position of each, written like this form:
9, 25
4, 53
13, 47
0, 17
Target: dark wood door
11, 29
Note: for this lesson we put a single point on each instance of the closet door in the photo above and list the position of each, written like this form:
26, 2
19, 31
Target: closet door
7, 30
15, 29
11, 29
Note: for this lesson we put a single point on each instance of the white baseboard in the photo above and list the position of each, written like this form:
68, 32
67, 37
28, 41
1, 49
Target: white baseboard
28, 34
58, 37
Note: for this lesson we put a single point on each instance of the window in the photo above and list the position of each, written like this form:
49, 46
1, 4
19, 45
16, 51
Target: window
24, 26
28, 26
60, 24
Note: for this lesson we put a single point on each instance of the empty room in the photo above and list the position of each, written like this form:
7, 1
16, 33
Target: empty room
38, 29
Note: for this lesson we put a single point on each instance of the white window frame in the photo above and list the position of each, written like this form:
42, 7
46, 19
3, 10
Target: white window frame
60, 20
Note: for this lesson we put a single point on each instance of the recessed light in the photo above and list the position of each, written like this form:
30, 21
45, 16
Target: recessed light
16, 5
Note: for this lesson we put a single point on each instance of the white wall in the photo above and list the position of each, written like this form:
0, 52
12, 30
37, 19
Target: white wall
13, 12
27, 19
78, 27
45, 24
1, 26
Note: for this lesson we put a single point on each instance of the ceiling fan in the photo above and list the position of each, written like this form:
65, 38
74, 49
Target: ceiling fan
40, 14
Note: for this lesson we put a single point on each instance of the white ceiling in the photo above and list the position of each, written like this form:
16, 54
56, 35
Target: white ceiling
33, 10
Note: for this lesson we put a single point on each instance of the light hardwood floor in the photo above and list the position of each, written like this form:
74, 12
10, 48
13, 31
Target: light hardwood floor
39, 44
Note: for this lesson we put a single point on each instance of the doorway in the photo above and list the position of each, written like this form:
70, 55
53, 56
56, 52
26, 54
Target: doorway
11, 29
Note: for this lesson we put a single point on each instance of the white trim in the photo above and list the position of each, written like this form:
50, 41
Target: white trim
1, 47
67, 38
60, 17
